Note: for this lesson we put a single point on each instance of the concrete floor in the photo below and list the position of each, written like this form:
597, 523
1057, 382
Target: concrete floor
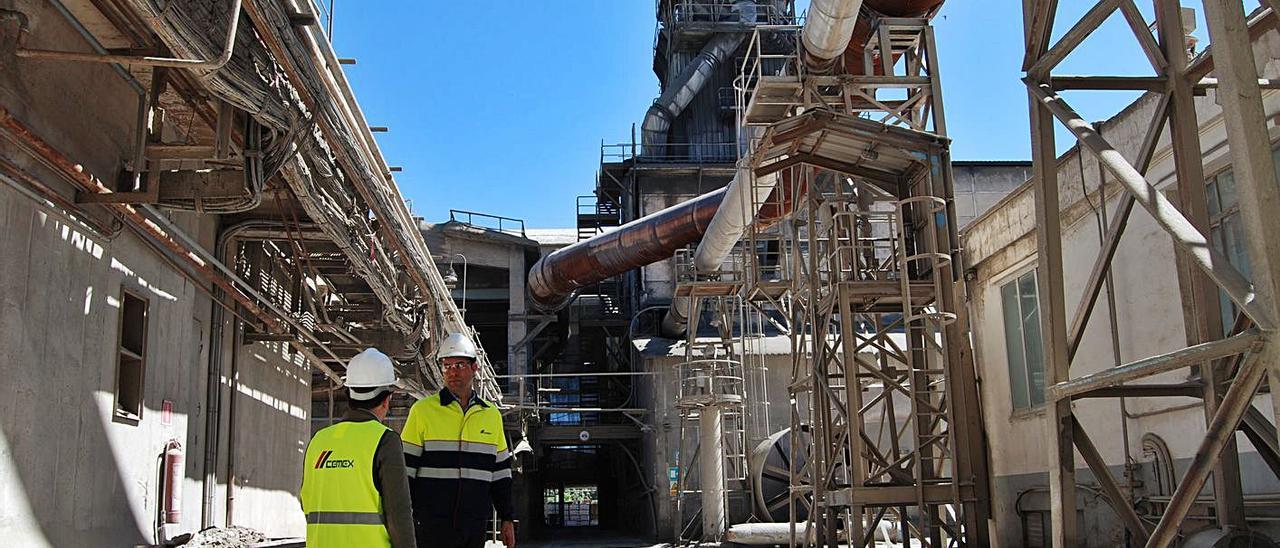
587, 538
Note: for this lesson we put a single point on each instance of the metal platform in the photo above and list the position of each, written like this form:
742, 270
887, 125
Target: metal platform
886, 156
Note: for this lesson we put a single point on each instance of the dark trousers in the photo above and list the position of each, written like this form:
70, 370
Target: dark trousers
445, 533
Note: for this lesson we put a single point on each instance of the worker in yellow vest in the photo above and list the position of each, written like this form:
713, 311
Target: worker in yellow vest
456, 451
354, 488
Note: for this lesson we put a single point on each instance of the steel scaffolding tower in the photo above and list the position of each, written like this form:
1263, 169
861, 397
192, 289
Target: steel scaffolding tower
883, 395
1231, 360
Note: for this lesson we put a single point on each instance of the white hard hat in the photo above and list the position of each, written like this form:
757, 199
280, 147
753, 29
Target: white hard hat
370, 369
457, 345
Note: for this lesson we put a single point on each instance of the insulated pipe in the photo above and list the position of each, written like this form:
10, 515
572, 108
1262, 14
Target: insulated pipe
742, 205
736, 211
681, 92
554, 278
711, 472
827, 31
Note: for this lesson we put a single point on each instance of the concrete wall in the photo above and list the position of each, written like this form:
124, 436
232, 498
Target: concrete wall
1001, 246
981, 185
71, 474
269, 440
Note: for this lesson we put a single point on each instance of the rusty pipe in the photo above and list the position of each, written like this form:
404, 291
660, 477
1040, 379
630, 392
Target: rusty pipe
853, 63
554, 279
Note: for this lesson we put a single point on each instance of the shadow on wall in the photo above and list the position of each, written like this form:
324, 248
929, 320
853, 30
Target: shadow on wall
58, 467
272, 428
71, 475
72, 495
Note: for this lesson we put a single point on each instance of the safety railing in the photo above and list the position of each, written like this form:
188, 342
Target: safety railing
680, 12
732, 269
723, 152
862, 247
491, 222
711, 381
758, 62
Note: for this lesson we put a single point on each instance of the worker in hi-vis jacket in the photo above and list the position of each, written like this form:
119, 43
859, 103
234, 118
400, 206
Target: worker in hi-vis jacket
458, 463
354, 488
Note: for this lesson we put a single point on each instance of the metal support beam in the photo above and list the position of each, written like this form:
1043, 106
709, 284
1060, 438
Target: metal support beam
1183, 390
1119, 502
1262, 434
1251, 162
1220, 430
1141, 31
1199, 296
1073, 37
1101, 266
1155, 365
1037, 18
1053, 322
1185, 235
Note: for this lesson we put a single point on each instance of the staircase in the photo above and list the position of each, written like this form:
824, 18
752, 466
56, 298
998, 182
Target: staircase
595, 215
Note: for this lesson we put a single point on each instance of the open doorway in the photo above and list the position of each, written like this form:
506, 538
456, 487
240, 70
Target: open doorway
571, 506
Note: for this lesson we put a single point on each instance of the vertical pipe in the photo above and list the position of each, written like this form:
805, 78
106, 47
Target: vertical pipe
213, 408
711, 471
231, 421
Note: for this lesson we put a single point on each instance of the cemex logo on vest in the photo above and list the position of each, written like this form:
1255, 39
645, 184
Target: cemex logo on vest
325, 462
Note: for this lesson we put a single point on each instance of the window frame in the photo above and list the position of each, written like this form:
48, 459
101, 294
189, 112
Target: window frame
1035, 402
119, 413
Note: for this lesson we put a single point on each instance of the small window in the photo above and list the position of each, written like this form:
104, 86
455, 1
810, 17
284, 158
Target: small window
1023, 341
131, 356
1226, 234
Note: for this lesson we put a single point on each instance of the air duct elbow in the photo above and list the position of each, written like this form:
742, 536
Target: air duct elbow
827, 31
681, 91
554, 279
656, 123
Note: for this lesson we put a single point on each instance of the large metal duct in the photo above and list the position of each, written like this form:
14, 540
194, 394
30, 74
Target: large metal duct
862, 31
825, 36
827, 31
554, 278
683, 89
736, 211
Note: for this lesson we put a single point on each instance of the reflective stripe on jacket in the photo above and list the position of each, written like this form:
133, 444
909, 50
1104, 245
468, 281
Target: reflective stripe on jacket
342, 504
458, 464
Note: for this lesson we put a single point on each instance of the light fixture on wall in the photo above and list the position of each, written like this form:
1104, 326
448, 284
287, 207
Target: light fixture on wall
450, 277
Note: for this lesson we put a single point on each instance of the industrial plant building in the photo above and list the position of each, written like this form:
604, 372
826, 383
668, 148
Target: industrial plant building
785, 314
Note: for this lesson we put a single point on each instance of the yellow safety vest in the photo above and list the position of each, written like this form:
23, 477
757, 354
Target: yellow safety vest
453, 458
343, 507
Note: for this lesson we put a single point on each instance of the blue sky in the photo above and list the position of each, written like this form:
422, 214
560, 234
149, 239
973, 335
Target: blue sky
500, 107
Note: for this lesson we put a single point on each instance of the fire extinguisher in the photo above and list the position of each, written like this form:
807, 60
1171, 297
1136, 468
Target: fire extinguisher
173, 470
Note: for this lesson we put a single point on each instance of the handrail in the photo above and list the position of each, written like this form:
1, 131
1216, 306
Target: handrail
669, 152
456, 215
